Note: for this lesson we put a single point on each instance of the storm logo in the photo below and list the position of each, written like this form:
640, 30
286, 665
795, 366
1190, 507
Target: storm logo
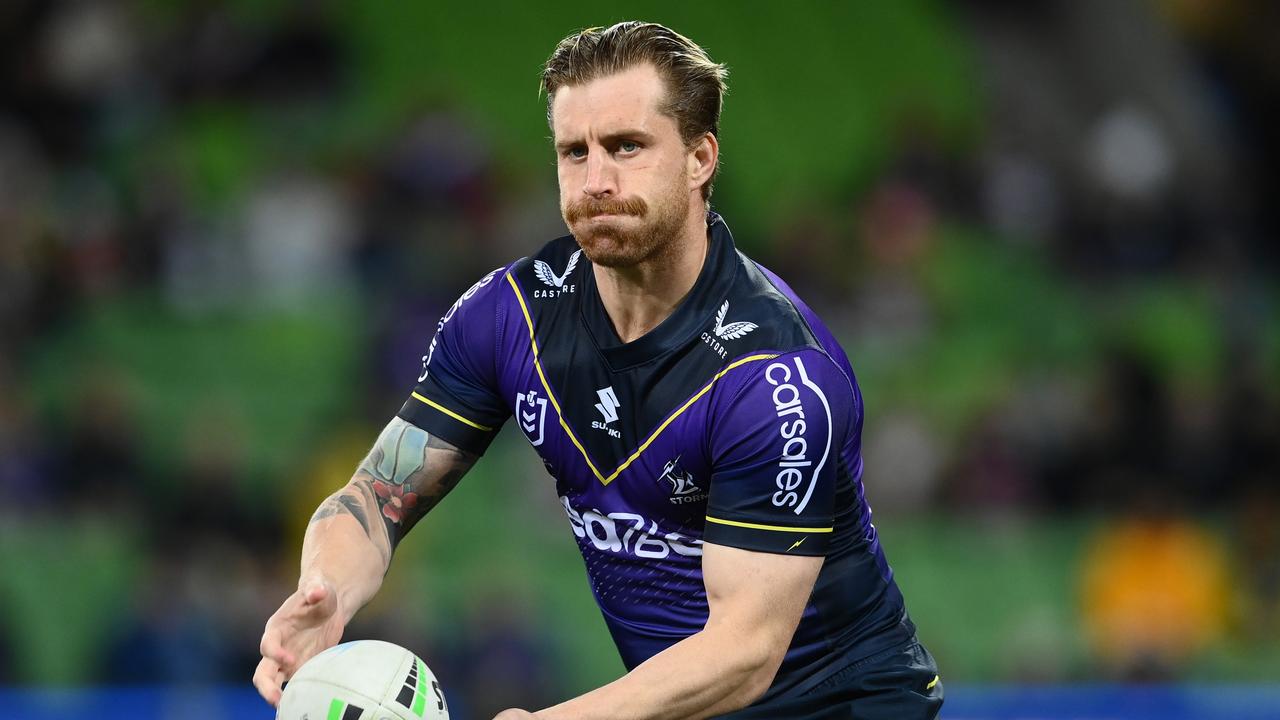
683, 489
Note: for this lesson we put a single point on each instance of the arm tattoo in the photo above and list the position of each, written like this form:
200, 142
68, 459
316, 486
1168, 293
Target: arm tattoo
404, 476
340, 504
408, 473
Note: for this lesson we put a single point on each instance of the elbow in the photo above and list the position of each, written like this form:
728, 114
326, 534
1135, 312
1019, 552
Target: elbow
758, 663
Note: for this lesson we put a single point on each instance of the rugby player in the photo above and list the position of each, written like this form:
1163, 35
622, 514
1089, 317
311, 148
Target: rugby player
702, 426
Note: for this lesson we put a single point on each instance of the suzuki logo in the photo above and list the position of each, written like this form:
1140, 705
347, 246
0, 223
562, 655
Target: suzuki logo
531, 412
608, 407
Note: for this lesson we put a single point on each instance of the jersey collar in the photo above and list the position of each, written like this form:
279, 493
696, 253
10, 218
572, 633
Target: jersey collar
693, 313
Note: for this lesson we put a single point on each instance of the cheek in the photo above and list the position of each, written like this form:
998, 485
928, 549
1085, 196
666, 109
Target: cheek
570, 183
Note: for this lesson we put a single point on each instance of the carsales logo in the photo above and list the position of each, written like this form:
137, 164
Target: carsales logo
797, 455
629, 533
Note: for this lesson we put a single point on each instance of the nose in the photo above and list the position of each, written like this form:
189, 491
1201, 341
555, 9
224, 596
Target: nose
601, 176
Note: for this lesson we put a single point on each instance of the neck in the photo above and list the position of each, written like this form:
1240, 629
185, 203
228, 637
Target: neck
638, 298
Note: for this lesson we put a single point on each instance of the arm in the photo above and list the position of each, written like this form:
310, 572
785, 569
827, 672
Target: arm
756, 600
349, 543
352, 535
763, 544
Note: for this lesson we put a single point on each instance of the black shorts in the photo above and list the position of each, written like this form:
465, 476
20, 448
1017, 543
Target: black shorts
898, 684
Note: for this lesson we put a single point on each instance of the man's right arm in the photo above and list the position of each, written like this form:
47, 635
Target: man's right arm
352, 535
349, 542
449, 419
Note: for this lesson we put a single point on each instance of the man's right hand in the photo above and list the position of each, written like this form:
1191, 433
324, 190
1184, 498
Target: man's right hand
307, 623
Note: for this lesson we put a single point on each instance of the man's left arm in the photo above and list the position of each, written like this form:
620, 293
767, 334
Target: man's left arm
756, 600
776, 443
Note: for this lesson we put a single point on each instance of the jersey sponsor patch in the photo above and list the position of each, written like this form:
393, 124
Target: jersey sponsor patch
628, 533
608, 407
723, 333
803, 455
558, 283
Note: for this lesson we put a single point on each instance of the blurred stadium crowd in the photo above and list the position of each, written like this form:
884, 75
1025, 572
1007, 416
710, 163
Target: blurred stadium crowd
220, 265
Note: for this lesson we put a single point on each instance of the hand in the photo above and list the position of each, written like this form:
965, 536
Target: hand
514, 714
307, 623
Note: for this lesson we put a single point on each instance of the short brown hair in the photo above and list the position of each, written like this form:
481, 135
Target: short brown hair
695, 84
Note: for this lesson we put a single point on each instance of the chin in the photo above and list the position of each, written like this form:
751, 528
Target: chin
620, 245
606, 250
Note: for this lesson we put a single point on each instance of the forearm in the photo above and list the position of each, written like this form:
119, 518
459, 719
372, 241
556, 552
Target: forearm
347, 547
351, 537
712, 672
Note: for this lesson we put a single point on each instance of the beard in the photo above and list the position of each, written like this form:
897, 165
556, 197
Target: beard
642, 232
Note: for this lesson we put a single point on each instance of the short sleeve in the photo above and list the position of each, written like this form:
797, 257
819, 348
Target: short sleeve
457, 396
776, 453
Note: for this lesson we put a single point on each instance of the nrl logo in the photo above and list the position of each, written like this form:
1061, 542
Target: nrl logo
732, 331
552, 280
683, 489
531, 410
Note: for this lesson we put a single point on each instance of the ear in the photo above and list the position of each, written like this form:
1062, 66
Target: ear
701, 160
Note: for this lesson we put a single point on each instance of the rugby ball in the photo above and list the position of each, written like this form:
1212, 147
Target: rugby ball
363, 680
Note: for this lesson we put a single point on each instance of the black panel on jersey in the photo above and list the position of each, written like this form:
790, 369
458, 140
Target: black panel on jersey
653, 375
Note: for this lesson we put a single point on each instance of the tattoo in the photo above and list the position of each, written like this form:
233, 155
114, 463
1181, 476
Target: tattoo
354, 507
408, 473
404, 476
339, 504
406, 457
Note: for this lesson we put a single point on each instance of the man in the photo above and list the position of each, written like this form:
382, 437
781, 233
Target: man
700, 422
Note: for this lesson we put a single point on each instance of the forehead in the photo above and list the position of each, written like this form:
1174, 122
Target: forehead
630, 98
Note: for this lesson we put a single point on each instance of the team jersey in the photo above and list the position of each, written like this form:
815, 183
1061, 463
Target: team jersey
737, 421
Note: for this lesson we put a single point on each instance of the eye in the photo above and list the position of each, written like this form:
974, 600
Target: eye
627, 147
577, 152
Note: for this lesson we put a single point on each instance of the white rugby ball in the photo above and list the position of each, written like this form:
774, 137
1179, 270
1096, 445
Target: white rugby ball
363, 680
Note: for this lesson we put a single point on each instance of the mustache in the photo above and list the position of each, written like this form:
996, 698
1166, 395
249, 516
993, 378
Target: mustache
587, 207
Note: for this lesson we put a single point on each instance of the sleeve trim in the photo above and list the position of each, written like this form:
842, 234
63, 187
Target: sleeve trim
451, 413
776, 528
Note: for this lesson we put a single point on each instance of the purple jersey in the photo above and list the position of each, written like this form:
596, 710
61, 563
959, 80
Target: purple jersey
737, 421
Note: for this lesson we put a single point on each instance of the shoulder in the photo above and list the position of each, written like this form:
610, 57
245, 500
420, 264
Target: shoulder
807, 371
791, 353
555, 265
761, 314
799, 323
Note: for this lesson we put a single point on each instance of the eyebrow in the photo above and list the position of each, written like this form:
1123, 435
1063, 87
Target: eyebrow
610, 139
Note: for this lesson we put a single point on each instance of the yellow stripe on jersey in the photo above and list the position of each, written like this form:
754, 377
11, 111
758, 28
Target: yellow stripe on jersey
776, 528
605, 480
451, 413
533, 341
645, 445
